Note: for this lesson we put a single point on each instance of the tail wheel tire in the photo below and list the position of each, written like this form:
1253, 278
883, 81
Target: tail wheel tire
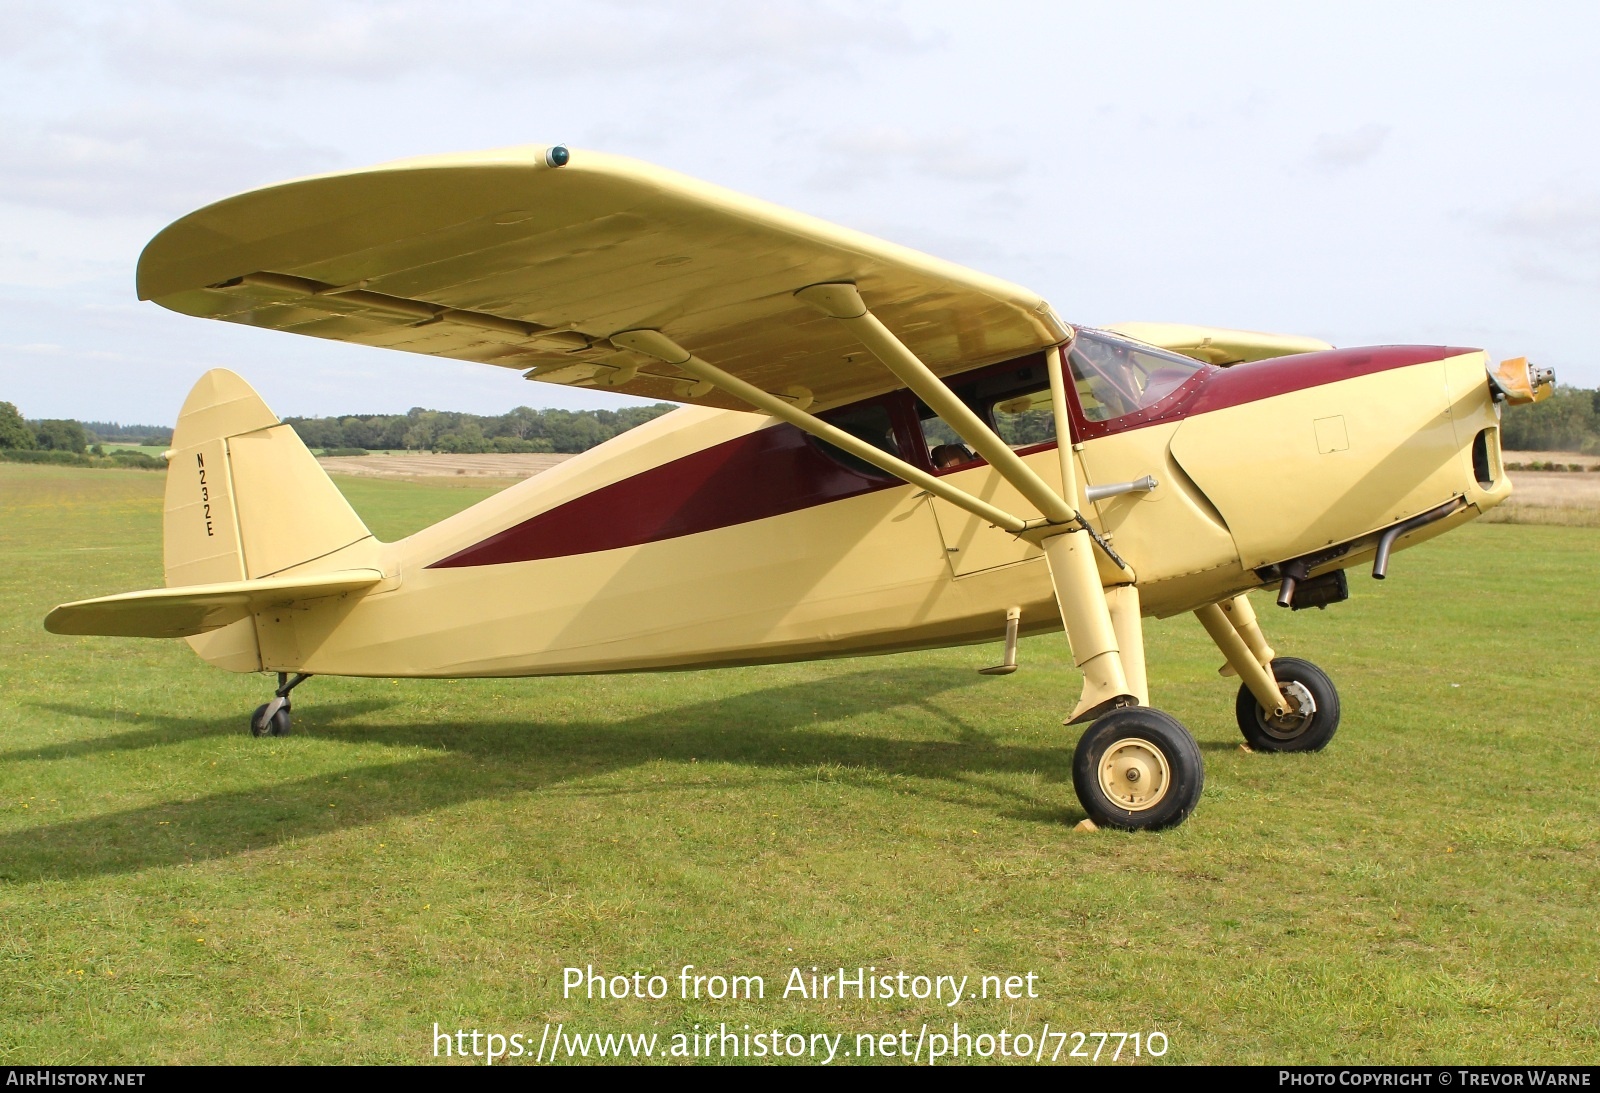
1138, 769
277, 725
1309, 687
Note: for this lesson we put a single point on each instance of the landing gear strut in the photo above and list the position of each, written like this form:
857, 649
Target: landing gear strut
272, 718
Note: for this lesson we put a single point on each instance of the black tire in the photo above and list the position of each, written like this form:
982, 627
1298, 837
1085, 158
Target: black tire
1300, 734
1150, 747
278, 726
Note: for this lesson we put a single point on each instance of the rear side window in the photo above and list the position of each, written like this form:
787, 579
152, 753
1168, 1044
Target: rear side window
871, 423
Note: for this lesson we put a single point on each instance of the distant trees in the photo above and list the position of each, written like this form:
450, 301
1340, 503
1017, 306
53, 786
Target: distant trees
521, 430
56, 435
1567, 421
111, 432
14, 432
66, 435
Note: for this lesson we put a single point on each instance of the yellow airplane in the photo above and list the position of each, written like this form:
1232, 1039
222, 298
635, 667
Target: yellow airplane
868, 460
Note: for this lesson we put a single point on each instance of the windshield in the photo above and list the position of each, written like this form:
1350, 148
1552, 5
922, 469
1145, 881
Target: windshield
1116, 377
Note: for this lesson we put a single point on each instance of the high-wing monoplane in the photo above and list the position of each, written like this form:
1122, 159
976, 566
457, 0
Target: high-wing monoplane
878, 451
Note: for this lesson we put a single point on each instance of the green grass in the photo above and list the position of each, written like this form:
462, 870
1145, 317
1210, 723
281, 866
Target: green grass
392, 510
173, 890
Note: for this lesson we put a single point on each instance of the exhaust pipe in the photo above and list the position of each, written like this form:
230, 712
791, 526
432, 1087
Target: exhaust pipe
1380, 561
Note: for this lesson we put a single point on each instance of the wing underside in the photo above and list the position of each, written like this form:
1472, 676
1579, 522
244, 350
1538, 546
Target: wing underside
497, 257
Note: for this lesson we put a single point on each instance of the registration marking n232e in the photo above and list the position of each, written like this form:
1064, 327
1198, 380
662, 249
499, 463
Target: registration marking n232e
205, 491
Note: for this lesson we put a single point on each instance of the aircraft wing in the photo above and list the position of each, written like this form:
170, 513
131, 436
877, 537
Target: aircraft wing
1215, 345
194, 609
500, 257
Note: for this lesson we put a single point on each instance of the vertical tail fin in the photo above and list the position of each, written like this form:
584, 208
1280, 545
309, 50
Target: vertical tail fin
244, 499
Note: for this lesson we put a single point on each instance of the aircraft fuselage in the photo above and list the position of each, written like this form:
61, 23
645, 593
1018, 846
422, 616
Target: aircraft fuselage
713, 537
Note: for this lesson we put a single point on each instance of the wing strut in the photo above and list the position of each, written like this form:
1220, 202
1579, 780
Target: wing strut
843, 302
1097, 634
1092, 626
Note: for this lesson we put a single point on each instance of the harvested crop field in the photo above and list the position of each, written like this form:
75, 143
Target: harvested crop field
409, 466
1568, 498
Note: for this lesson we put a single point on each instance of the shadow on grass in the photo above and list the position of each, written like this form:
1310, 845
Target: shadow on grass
773, 729
157, 731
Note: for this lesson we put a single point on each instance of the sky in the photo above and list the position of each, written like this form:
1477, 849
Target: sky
1362, 173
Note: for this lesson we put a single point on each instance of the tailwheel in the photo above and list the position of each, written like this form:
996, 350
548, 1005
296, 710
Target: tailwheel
273, 723
1138, 769
1308, 727
272, 718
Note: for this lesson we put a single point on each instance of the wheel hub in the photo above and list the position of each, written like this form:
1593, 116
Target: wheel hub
1134, 774
1293, 722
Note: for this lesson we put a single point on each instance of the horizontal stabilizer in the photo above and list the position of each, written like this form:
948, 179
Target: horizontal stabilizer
1214, 345
194, 609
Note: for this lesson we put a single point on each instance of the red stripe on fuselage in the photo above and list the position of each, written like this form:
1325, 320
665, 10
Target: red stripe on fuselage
765, 473
1279, 375
778, 469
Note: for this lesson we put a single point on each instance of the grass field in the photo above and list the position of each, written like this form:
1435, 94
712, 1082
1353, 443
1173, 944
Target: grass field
172, 890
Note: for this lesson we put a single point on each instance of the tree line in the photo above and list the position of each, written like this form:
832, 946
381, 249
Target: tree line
1569, 420
20, 434
522, 430
57, 440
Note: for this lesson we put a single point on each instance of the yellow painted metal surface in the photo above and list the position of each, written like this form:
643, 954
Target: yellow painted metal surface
1281, 496
973, 544
287, 515
1169, 532
496, 257
195, 609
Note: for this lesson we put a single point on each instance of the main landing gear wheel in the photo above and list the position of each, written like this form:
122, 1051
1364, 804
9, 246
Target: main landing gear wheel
276, 725
1137, 769
1309, 727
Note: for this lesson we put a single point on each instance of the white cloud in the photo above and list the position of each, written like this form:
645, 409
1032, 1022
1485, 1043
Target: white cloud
956, 156
1341, 151
1565, 220
1554, 237
136, 162
279, 43
33, 30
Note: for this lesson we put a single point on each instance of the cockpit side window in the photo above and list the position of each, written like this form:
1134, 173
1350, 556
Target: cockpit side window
1115, 378
1013, 399
1024, 419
